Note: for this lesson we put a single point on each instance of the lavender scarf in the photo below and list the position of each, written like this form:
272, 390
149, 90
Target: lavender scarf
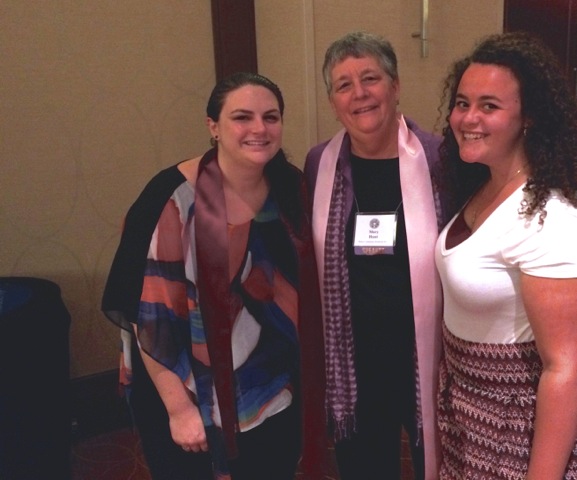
341, 395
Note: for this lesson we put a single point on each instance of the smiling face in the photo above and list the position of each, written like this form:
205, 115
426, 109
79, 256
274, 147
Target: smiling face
249, 127
364, 98
487, 117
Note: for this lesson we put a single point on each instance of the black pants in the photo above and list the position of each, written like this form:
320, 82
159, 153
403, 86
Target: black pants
269, 451
165, 459
375, 454
374, 451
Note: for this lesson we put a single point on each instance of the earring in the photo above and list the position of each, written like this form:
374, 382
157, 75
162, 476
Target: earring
525, 131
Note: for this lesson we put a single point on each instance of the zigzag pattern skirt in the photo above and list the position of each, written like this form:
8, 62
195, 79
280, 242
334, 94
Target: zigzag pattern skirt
486, 414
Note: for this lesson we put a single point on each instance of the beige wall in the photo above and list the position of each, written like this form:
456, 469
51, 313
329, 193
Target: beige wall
98, 96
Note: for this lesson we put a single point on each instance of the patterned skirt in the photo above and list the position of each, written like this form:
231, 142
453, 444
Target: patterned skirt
487, 397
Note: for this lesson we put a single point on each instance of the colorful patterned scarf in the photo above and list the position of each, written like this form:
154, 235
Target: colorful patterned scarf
219, 306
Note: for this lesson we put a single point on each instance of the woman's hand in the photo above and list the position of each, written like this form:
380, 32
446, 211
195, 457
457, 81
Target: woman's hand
187, 429
185, 422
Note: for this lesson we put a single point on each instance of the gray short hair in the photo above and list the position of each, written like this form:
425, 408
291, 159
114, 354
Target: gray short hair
359, 45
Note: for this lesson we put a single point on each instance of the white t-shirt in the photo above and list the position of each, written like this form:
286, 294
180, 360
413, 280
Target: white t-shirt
481, 275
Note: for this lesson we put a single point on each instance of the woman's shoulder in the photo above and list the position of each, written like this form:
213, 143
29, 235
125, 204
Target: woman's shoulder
541, 244
149, 204
559, 210
189, 168
165, 180
429, 140
559, 214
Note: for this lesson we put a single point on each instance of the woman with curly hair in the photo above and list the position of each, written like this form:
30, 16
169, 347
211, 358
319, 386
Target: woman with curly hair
508, 263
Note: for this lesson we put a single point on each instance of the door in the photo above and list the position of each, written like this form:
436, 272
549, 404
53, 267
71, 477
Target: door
554, 21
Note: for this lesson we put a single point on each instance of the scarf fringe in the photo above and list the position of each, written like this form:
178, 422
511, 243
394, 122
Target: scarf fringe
344, 427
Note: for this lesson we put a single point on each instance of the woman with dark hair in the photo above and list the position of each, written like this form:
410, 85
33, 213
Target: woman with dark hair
214, 287
508, 263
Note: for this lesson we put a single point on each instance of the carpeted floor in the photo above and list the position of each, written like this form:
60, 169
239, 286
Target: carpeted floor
117, 456
111, 456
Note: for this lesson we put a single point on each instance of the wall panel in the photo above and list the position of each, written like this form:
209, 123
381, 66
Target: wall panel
96, 97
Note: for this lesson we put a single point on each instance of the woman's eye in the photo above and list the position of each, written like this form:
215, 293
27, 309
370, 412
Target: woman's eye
272, 118
341, 87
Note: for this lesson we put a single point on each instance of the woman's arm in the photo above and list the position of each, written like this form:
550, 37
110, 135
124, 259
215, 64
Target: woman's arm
186, 425
164, 289
551, 306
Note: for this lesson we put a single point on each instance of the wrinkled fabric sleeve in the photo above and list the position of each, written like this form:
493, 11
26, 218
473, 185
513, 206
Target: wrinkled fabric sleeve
168, 299
123, 289
546, 250
121, 301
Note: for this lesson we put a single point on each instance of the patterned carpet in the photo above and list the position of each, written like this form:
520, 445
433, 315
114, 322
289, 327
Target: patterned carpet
111, 456
117, 456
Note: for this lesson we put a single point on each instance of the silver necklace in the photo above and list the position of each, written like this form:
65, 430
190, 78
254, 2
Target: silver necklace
482, 192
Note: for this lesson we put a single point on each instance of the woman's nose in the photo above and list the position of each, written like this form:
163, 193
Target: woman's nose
471, 115
258, 125
359, 89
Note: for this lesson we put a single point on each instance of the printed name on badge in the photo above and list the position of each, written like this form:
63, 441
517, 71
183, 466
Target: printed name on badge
375, 233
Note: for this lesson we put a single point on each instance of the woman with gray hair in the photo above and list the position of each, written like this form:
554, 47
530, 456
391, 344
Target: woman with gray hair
376, 216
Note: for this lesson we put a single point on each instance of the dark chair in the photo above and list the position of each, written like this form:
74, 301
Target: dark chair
35, 424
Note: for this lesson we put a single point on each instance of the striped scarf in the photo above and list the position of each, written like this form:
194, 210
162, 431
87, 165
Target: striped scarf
341, 393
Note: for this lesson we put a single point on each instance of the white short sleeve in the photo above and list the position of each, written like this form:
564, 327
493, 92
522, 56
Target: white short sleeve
548, 250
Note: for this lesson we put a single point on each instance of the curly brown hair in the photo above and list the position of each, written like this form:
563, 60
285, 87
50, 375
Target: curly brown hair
547, 104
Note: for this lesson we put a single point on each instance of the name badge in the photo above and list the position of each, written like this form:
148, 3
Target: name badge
375, 233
